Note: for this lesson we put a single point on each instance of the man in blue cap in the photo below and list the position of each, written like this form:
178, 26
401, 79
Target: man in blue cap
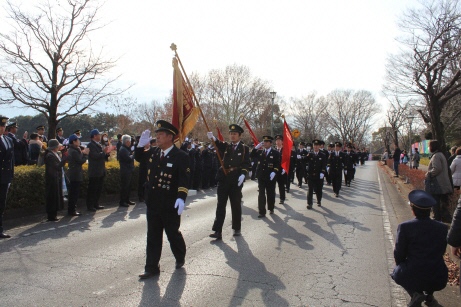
418, 253
96, 170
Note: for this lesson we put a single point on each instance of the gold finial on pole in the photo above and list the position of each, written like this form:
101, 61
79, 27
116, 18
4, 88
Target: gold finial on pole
283, 116
173, 47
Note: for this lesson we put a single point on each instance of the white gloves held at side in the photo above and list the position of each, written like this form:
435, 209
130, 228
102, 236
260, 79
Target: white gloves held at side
260, 144
283, 171
322, 175
345, 172
272, 176
144, 139
241, 179
298, 156
179, 204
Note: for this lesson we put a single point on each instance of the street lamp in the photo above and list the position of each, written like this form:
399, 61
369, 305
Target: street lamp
410, 121
272, 112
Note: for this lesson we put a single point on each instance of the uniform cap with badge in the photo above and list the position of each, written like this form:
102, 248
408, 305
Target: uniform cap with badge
163, 125
268, 138
279, 137
421, 199
41, 127
235, 128
3, 121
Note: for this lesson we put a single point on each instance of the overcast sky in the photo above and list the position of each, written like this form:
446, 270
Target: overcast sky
298, 46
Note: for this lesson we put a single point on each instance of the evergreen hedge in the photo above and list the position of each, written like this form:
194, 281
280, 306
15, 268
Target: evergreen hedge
28, 186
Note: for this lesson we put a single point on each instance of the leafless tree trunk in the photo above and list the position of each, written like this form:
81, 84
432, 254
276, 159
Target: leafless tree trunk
429, 65
51, 66
308, 116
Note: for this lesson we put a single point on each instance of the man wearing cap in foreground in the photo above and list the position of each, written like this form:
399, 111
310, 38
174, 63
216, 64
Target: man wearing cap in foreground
166, 192
316, 163
268, 166
418, 253
41, 133
21, 147
335, 167
6, 170
236, 161
96, 170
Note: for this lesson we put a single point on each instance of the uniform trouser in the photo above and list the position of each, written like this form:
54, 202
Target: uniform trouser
336, 182
290, 177
282, 182
348, 177
266, 187
206, 177
156, 223
3, 192
228, 189
142, 179
95, 185
73, 193
300, 174
197, 181
253, 171
125, 186
317, 186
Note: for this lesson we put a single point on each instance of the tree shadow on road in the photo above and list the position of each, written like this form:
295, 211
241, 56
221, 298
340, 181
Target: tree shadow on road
151, 295
252, 275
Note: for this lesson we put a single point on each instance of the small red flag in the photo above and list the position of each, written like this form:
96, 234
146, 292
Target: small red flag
220, 137
253, 136
287, 146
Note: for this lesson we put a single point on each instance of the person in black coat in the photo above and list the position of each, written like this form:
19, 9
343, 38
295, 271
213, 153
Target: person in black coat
53, 180
291, 173
6, 170
350, 161
282, 176
166, 192
268, 166
300, 165
76, 157
21, 152
418, 253
335, 165
41, 133
143, 168
59, 135
316, 162
96, 170
236, 161
396, 157
454, 235
126, 160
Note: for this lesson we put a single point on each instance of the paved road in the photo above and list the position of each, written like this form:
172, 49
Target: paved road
334, 255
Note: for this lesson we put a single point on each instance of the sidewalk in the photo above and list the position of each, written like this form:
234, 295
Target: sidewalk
450, 296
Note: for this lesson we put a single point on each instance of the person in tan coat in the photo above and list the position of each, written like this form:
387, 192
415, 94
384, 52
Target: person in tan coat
438, 182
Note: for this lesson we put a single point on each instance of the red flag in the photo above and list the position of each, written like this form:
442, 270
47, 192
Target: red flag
220, 137
287, 146
185, 114
253, 136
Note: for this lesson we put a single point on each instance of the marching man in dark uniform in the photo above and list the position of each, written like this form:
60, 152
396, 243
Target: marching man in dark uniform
335, 167
59, 135
166, 192
331, 148
41, 132
350, 160
6, 172
308, 149
236, 160
300, 166
268, 166
316, 162
291, 174
282, 177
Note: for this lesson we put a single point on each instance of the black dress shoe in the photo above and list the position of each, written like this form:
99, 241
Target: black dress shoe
281, 201
336, 195
91, 209
52, 219
124, 205
309, 207
4, 235
179, 264
74, 213
271, 211
146, 274
98, 207
216, 235
237, 233
319, 204
261, 216
131, 203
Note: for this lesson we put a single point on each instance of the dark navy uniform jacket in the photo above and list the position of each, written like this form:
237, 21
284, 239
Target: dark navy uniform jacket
236, 162
336, 163
266, 164
315, 164
7, 161
418, 253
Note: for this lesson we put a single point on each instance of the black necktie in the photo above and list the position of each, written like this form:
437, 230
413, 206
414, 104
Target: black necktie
162, 156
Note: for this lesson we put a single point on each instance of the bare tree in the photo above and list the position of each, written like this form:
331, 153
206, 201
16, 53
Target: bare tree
51, 66
147, 113
349, 114
397, 117
308, 116
429, 64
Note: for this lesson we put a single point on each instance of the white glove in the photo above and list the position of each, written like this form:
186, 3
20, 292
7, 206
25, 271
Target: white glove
272, 176
209, 134
252, 163
298, 156
241, 179
180, 205
322, 175
283, 171
260, 144
250, 173
192, 145
345, 172
144, 139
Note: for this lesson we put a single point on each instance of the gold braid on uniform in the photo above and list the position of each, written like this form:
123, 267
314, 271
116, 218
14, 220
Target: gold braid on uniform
183, 189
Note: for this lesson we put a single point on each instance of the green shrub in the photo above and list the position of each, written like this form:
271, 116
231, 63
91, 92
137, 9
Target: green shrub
424, 161
28, 186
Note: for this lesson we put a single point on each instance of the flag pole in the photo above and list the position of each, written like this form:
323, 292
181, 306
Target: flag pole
173, 47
